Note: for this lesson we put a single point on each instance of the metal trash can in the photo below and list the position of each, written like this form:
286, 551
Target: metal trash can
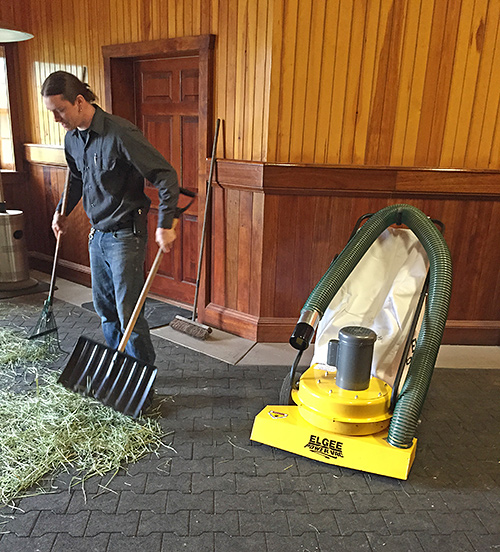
14, 266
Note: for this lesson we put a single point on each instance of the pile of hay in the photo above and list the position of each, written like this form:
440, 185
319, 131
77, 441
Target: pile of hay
46, 428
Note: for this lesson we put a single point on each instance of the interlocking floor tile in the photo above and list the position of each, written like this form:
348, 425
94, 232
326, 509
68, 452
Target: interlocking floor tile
212, 489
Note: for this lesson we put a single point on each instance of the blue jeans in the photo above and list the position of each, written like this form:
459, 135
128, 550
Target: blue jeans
117, 268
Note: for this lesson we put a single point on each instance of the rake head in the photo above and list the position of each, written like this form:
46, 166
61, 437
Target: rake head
46, 322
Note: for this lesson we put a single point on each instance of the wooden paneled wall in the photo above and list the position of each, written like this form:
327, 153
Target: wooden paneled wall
372, 82
276, 229
11, 14
375, 89
70, 35
386, 82
47, 184
272, 238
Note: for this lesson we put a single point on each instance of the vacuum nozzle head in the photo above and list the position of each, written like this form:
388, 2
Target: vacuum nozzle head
304, 330
301, 336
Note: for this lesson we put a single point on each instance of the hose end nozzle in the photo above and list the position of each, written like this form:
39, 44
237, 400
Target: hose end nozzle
304, 330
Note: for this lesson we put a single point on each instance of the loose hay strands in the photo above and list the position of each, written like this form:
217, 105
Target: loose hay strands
46, 429
22, 359
51, 428
15, 349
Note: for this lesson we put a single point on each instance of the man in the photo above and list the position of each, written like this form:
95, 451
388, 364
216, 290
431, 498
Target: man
108, 158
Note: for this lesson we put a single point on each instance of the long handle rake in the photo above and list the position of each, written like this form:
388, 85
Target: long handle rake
46, 322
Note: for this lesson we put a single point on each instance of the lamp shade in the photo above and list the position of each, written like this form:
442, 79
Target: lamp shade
9, 34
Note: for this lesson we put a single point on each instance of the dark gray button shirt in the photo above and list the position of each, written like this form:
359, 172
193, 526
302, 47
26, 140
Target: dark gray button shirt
108, 165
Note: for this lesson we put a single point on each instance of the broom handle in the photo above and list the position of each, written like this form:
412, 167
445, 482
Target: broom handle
204, 228
142, 297
58, 240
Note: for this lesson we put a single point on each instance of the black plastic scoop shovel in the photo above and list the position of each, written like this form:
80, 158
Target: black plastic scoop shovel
117, 380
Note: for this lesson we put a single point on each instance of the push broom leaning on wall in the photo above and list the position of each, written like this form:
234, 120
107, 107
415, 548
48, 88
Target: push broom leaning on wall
180, 323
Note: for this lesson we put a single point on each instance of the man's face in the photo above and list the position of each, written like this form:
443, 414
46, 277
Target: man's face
67, 114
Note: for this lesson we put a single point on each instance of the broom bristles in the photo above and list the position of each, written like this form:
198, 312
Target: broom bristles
190, 327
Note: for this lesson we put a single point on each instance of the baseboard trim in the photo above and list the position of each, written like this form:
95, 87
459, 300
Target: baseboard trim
472, 332
278, 330
68, 270
260, 329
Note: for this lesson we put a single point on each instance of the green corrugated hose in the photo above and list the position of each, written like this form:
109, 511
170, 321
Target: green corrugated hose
411, 399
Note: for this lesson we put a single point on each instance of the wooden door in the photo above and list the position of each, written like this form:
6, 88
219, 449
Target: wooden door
166, 108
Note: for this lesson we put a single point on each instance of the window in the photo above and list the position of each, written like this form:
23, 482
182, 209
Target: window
52, 133
7, 161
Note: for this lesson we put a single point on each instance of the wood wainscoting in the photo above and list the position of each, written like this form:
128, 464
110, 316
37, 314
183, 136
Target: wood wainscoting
275, 229
47, 175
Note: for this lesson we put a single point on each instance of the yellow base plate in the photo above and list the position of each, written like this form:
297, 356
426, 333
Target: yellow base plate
283, 427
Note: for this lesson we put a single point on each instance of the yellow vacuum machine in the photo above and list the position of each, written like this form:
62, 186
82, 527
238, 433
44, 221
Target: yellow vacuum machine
379, 314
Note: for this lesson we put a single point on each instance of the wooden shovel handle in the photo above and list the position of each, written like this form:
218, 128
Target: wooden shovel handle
142, 298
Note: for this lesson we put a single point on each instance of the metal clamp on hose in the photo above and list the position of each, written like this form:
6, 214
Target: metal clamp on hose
304, 330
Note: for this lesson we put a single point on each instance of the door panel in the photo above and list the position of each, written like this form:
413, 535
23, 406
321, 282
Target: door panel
166, 93
189, 233
189, 85
159, 131
157, 86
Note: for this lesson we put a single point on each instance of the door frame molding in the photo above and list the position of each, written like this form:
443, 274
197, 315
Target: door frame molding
118, 64
118, 75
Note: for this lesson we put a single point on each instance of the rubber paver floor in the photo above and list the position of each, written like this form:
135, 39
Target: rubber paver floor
213, 489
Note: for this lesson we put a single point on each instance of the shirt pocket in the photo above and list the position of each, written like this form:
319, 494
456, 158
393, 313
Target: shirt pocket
104, 164
111, 175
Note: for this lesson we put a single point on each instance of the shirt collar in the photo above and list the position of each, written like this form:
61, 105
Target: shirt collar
97, 124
